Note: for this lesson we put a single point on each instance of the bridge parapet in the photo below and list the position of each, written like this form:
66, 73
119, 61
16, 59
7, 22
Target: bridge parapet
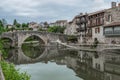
18, 37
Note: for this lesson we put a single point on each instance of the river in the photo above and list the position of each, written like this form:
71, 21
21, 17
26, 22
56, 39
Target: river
57, 63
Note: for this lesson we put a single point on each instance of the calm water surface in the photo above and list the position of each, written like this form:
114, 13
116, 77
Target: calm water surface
54, 63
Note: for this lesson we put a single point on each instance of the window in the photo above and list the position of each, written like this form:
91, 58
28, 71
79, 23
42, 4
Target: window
109, 18
97, 30
117, 30
108, 30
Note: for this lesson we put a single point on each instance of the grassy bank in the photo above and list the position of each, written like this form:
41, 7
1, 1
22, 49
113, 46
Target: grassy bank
11, 73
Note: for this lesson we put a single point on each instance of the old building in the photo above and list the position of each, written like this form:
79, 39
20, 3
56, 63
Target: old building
95, 25
112, 24
105, 24
9, 26
61, 23
71, 28
34, 26
81, 21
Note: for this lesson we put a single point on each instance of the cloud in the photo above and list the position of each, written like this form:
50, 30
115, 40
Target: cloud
31, 7
50, 9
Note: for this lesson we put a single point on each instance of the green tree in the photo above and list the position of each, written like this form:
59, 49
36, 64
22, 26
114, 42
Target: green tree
18, 25
4, 22
1, 24
24, 25
56, 29
14, 22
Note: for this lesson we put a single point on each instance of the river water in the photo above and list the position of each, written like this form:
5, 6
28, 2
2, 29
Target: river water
58, 63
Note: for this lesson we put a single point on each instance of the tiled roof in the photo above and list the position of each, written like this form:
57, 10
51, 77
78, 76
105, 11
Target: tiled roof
93, 13
112, 24
58, 21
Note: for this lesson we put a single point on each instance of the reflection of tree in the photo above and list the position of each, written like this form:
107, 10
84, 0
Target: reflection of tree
33, 51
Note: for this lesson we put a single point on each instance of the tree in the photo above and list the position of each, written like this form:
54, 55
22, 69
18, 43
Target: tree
18, 25
46, 25
15, 22
4, 22
24, 25
1, 24
56, 29
2, 27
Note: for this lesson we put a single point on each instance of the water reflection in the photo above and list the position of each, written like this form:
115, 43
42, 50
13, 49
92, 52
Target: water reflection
33, 50
87, 65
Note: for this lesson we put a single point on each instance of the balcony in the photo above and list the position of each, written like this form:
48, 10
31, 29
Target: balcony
81, 29
80, 21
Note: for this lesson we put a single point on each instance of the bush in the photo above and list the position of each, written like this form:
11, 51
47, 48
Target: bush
11, 73
72, 38
56, 29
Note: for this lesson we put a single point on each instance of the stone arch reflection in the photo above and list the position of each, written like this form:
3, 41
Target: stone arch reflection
20, 58
33, 46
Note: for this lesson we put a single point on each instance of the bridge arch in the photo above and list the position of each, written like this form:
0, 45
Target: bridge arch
25, 37
7, 37
10, 40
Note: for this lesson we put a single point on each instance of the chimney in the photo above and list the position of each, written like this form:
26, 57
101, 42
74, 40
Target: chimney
113, 4
81, 13
118, 4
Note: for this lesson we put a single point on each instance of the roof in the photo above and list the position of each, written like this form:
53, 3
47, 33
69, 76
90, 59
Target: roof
97, 12
58, 21
81, 15
112, 24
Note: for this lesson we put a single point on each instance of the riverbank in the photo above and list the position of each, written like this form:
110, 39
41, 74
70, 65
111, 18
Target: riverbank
9, 72
91, 47
1, 74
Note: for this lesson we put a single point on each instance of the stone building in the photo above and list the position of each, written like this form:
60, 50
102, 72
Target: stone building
71, 28
112, 24
95, 25
104, 25
34, 26
61, 23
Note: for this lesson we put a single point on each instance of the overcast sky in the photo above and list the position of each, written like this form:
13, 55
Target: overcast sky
48, 10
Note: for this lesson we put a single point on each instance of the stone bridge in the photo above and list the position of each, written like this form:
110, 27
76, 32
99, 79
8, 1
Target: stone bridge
19, 37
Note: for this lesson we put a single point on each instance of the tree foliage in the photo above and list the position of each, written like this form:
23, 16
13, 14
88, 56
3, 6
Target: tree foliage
24, 25
56, 29
15, 22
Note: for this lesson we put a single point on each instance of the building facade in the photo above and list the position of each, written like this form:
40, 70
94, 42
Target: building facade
61, 23
103, 25
34, 26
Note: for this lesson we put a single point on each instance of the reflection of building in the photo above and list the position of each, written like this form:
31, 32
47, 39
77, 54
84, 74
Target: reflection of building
98, 62
86, 65
93, 66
